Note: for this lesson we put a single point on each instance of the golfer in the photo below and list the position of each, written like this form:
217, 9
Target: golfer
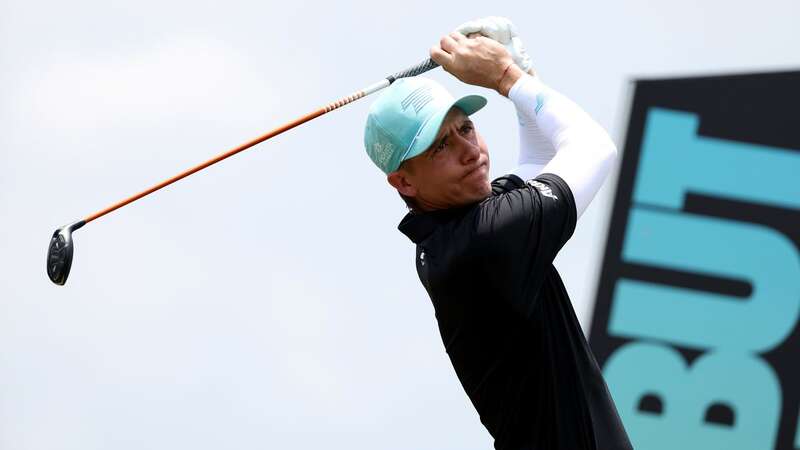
485, 249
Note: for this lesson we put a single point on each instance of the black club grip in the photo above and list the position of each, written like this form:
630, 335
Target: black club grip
414, 70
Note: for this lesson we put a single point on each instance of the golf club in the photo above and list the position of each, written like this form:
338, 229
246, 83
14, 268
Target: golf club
60, 251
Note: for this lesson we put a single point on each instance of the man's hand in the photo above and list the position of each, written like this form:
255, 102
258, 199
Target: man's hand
479, 61
503, 31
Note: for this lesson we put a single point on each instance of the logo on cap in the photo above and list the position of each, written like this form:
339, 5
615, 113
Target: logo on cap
382, 152
418, 98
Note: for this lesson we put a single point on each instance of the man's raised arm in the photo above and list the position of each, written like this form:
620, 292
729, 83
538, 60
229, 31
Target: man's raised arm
584, 152
579, 151
535, 149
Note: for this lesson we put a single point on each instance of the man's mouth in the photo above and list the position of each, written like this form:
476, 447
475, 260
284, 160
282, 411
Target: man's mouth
475, 170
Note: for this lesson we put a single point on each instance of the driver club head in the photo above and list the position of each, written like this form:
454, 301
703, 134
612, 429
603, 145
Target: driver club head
59, 253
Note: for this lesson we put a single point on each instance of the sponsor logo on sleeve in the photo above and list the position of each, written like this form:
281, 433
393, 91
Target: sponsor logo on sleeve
543, 188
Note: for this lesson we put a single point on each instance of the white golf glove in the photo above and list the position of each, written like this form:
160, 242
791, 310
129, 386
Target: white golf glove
503, 31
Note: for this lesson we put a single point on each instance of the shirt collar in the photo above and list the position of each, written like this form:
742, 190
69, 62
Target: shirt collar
419, 225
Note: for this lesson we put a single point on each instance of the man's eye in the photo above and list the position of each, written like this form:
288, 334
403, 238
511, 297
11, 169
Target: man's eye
466, 129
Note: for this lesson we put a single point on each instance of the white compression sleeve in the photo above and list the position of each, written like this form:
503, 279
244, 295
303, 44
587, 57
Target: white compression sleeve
584, 151
535, 149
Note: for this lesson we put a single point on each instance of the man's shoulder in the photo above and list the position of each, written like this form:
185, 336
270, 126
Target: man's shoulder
506, 183
546, 183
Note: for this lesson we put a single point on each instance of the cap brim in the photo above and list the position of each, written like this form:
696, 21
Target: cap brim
469, 104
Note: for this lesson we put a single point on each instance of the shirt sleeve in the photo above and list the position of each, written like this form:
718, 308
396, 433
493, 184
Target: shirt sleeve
520, 232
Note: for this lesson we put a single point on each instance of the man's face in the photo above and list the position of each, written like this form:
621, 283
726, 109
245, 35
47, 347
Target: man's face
453, 171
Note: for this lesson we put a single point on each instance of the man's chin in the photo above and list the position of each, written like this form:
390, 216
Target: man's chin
482, 191
486, 188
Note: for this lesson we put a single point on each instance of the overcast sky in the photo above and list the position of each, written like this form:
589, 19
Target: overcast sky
270, 301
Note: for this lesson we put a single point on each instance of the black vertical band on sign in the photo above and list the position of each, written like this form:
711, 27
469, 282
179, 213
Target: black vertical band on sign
756, 109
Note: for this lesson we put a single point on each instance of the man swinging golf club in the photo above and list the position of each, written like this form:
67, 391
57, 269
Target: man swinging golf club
485, 249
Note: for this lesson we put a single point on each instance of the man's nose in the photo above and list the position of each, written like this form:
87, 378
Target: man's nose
469, 150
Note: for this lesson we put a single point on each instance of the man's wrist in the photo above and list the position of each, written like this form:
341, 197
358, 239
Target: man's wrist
510, 76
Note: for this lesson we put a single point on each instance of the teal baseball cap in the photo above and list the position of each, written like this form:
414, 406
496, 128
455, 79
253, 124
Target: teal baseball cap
405, 119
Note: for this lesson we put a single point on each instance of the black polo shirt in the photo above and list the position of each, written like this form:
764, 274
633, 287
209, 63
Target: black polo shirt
506, 320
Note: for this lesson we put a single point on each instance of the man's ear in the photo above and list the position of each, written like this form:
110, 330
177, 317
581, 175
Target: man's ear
400, 181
